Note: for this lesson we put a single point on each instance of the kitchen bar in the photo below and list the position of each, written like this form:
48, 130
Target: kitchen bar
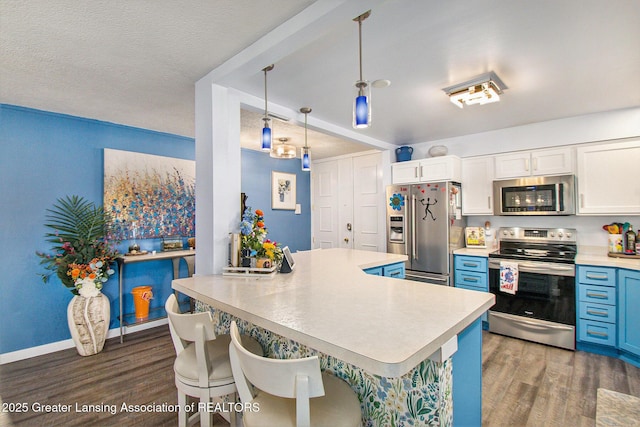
377, 328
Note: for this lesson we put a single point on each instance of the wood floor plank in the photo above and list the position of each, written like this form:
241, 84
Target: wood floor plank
524, 384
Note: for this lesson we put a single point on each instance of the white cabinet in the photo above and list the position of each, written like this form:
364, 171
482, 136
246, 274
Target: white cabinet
555, 161
444, 168
477, 185
608, 182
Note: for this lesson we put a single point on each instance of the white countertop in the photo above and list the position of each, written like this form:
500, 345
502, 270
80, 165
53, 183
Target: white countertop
383, 325
598, 256
483, 252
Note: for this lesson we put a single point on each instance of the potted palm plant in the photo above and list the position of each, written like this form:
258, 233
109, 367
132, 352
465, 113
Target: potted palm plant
81, 258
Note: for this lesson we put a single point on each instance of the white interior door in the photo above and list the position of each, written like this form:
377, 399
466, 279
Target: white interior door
345, 203
368, 203
324, 176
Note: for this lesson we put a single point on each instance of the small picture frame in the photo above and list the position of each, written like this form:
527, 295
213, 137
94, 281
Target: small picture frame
475, 238
283, 190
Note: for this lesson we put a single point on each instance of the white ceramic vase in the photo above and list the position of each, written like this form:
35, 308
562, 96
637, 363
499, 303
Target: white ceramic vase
88, 319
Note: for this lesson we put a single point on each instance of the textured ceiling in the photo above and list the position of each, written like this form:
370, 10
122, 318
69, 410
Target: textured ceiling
136, 62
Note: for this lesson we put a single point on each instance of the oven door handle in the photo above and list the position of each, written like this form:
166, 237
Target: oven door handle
532, 268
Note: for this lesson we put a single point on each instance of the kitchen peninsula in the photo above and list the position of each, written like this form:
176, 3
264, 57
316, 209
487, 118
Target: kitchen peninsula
391, 339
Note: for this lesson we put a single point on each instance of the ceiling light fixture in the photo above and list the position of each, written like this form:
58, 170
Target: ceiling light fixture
305, 157
483, 89
283, 150
266, 130
362, 101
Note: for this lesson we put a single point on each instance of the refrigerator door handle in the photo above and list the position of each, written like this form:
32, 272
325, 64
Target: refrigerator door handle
405, 225
414, 254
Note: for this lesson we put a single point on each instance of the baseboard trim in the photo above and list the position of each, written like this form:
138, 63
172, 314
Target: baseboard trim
40, 350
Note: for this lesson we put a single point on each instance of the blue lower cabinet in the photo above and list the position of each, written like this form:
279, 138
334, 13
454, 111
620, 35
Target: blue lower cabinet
396, 270
375, 271
467, 377
596, 305
472, 272
629, 311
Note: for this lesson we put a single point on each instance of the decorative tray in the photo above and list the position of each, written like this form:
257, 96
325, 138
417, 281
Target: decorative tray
622, 255
249, 271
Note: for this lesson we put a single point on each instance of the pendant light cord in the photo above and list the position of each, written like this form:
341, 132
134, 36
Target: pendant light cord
360, 43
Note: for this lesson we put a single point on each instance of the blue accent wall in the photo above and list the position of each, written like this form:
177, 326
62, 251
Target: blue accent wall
45, 156
284, 226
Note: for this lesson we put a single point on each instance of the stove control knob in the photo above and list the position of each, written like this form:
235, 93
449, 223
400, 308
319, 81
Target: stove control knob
552, 234
512, 233
568, 235
505, 232
560, 234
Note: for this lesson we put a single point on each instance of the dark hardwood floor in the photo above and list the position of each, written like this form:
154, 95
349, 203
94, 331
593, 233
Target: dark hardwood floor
523, 384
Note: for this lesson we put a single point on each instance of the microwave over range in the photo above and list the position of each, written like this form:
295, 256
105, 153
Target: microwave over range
541, 195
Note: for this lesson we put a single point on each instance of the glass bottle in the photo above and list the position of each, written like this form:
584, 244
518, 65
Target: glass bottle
630, 241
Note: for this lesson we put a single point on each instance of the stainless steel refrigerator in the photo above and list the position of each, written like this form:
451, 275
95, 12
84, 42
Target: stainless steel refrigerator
424, 222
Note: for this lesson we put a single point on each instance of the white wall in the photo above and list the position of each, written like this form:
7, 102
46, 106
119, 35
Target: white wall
575, 130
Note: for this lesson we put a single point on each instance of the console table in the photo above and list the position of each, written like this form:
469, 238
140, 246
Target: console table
189, 256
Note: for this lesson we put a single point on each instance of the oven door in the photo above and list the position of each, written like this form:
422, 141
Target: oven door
546, 291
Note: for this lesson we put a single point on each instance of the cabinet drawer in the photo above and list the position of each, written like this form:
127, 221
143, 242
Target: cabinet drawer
597, 312
602, 276
394, 270
598, 333
471, 280
471, 263
597, 294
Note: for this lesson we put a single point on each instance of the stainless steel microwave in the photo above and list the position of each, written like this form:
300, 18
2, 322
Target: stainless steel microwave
540, 195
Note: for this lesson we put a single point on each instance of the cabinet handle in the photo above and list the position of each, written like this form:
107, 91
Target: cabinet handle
597, 313
489, 202
526, 164
394, 274
415, 172
592, 295
470, 264
582, 200
597, 276
535, 164
471, 279
421, 171
598, 334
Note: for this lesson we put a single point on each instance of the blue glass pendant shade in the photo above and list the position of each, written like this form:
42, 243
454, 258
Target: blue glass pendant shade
306, 161
266, 138
362, 111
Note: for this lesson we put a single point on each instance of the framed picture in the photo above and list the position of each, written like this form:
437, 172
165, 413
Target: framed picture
475, 237
283, 190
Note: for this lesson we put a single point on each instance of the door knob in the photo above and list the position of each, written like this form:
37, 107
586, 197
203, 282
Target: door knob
346, 240
349, 226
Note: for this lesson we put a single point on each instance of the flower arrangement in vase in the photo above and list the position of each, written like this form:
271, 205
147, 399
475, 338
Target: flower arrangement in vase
81, 259
254, 243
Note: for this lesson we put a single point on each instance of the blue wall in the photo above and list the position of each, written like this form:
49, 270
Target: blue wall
45, 156
284, 226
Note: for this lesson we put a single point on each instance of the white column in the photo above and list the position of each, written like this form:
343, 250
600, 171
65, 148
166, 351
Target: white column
217, 174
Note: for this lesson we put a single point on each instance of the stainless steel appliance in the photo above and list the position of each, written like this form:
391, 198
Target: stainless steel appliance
424, 221
543, 308
541, 195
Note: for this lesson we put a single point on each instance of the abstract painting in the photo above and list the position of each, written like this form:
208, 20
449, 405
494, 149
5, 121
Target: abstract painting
149, 196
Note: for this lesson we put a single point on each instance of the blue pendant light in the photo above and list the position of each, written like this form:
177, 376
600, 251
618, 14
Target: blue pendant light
305, 157
362, 101
266, 130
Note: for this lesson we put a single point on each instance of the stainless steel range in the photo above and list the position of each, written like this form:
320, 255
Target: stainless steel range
543, 308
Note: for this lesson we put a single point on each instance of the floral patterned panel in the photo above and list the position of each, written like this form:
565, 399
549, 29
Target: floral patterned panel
421, 397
